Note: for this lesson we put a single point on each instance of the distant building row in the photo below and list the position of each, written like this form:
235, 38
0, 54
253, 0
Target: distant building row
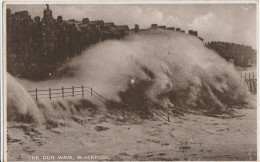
239, 55
156, 26
38, 46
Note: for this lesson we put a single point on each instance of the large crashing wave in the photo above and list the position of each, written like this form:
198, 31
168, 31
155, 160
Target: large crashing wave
167, 68
20, 105
163, 66
23, 108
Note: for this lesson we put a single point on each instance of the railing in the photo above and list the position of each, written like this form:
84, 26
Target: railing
248, 75
83, 91
61, 93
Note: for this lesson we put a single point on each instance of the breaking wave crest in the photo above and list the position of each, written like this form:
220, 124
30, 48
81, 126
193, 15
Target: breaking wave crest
163, 66
20, 105
167, 68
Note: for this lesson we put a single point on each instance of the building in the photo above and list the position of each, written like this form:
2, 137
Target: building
242, 55
162, 27
195, 33
154, 26
96, 25
85, 21
123, 29
38, 47
171, 28
136, 28
110, 27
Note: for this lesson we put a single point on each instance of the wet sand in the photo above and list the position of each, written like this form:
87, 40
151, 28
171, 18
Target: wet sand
188, 137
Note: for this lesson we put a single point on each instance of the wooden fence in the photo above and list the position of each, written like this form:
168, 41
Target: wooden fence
82, 91
251, 80
62, 92
248, 75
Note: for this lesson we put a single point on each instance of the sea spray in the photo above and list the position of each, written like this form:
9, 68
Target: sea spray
23, 108
20, 105
166, 68
169, 66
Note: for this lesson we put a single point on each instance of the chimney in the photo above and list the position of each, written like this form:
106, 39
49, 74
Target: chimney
37, 19
136, 28
195, 33
170, 28
85, 21
59, 19
154, 26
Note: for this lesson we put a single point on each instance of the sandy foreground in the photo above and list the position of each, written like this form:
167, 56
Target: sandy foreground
188, 137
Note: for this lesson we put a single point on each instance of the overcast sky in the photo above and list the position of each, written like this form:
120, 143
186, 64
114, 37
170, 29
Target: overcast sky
214, 22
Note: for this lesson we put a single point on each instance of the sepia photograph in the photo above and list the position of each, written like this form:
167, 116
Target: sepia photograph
130, 81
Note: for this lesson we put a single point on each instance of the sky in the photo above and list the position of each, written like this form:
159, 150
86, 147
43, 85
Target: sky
234, 23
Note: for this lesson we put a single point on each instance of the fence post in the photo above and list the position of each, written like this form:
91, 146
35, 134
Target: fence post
245, 76
82, 91
91, 91
253, 75
73, 91
249, 75
50, 93
62, 92
36, 94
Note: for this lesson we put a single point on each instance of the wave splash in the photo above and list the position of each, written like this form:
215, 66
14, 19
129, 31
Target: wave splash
164, 67
167, 68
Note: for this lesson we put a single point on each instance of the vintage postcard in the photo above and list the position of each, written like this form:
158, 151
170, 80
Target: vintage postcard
130, 81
